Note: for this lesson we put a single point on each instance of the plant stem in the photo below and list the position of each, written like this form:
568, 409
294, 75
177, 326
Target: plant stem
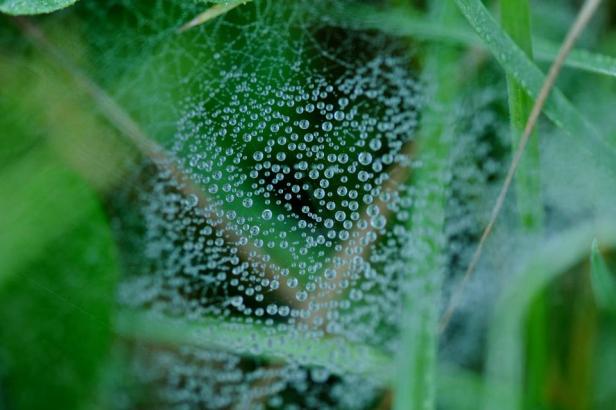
414, 385
515, 18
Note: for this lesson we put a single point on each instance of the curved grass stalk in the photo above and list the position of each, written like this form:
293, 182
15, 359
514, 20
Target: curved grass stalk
505, 339
216, 10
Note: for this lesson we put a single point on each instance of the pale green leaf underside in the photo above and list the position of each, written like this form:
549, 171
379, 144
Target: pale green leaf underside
21, 7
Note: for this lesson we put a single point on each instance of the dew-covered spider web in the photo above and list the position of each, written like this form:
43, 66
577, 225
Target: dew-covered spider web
279, 213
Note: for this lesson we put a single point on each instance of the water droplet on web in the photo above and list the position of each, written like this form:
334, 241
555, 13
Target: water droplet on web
192, 200
365, 158
301, 295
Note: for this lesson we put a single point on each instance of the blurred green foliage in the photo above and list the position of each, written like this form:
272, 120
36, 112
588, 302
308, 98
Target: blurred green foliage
62, 158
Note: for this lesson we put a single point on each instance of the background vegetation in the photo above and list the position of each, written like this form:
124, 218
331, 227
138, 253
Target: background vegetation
93, 98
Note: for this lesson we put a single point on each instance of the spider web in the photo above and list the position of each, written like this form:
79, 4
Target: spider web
293, 139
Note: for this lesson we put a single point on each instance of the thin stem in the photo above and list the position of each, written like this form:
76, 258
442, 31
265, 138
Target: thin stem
578, 26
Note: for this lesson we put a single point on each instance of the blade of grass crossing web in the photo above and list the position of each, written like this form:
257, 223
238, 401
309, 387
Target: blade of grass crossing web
337, 355
516, 21
415, 382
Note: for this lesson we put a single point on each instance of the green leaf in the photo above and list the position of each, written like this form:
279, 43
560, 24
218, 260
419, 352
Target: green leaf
57, 276
602, 280
20, 7
515, 18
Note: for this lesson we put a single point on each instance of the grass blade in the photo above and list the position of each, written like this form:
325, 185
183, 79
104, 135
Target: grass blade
515, 62
414, 386
334, 354
399, 22
211, 13
602, 280
504, 362
515, 18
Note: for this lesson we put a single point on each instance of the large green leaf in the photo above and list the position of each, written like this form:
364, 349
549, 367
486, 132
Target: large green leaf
19, 7
57, 275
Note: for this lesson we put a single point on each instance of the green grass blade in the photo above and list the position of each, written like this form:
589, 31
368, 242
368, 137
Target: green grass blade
270, 343
504, 362
578, 58
461, 389
515, 18
414, 386
400, 22
602, 280
517, 64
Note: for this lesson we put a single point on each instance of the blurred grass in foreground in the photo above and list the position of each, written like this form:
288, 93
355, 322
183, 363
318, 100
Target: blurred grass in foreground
61, 159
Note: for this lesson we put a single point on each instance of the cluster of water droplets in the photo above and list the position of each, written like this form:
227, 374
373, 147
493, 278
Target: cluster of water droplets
292, 210
291, 191
283, 205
